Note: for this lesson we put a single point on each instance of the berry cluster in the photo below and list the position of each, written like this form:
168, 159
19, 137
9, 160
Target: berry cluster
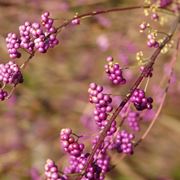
133, 120
76, 164
10, 73
103, 162
51, 171
13, 44
140, 101
114, 72
25, 31
69, 143
124, 142
93, 173
3, 94
33, 36
96, 171
152, 42
103, 106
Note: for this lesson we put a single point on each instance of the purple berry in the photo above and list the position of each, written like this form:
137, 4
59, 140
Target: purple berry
124, 142
114, 72
140, 101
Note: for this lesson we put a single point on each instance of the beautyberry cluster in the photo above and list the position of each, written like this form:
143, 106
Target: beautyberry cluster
13, 44
25, 36
103, 106
99, 168
69, 143
133, 120
152, 42
96, 170
3, 94
33, 36
114, 72
10, 73
76, 164
140, 101
103, 161
124, 142
52, 172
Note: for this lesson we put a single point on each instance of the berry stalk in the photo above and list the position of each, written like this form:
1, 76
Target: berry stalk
146, 70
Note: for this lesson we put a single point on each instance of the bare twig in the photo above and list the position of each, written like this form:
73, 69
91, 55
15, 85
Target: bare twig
174, 58
147, 68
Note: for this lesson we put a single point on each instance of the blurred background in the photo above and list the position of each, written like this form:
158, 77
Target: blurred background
54, 93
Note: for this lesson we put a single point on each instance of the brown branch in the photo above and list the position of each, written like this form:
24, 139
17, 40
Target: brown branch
174, 58
90, 14
94, 13
147, 68
66, 23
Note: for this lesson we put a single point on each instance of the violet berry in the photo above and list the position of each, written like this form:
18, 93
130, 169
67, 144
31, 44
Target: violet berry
103, 105
10, 73
140, 101
75, 21
25, 32
3, 94
76, 164
69, 143
133, 120
13, 44
51, 171
154, 16
143, 26
124, 142
33, 36
114, 72
152, 41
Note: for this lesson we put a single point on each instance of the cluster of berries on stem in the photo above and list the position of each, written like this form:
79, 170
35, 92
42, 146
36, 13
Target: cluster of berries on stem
114, 72
140, 101
33, 37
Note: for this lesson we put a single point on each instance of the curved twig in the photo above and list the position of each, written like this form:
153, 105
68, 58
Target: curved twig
132, 89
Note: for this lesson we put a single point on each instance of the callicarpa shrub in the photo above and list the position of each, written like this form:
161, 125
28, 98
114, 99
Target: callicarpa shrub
117, 119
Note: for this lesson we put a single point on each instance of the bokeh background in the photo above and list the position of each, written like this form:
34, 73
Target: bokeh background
54, 93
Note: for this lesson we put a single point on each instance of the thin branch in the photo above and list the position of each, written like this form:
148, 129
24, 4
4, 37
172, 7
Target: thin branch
23, 66
147, 68
174, 58
90, 14
94, 13
161, 104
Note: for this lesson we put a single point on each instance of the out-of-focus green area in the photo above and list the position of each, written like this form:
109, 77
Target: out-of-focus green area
54, 93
